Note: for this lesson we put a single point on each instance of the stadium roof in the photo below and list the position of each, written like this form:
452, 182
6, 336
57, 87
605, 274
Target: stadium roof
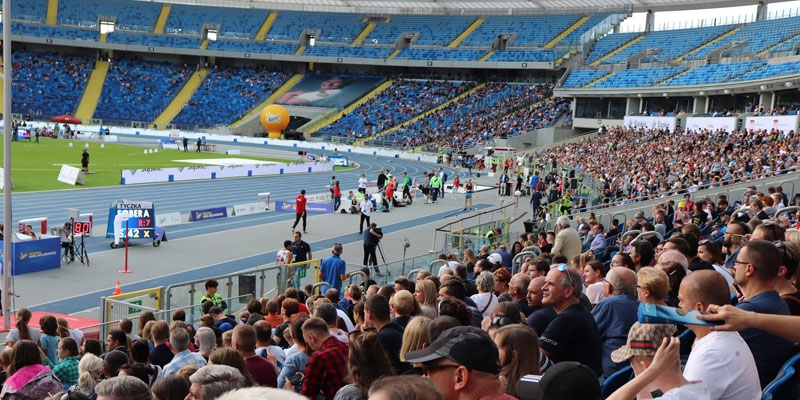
475, 6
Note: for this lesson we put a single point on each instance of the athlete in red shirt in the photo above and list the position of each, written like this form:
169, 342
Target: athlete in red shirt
300, 209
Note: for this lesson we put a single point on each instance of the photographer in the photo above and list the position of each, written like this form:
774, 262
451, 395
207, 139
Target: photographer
372, 236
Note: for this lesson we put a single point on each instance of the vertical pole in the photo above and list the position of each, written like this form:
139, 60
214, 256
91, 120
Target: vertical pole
8, 258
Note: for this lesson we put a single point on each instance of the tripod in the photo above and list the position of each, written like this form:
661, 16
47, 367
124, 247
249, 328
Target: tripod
80, 251
383, 258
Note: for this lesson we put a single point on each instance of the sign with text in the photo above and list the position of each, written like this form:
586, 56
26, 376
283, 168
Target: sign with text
784, 123
152, 175
727, 124
208, 213
70, 175
140, 223
646, 122
290, 206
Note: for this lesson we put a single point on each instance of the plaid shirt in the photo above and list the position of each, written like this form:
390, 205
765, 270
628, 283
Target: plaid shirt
326, 370
67, 371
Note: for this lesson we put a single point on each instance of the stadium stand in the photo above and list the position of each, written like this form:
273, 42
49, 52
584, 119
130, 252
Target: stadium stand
348, 51
716, 73
334, 27
226, 94
430, 30
30, 10
640, 77
400, 102
240, 23
130, 15
671, 43
771, 71
61, 32
582, 77
758, 36
526, 55
251, 46
573, 38
440, 54
547, 27
48, 84
139, 90
609, 43
148, 39
495, 110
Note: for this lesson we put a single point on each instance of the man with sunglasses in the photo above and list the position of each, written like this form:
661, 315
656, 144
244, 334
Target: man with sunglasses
756, 271
464, 363
573, 334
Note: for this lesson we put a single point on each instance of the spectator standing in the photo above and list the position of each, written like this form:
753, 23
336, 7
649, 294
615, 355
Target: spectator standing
333, 268
301, 252
568, 242
199, 144
185, 144
300, 210
211, 295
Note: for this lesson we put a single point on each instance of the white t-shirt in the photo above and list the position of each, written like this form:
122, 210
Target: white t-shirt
283, 256
481, 300
692, 391
723, 361
366, 207
362, 183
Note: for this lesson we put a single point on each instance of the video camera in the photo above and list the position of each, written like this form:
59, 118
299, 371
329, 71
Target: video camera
379, 231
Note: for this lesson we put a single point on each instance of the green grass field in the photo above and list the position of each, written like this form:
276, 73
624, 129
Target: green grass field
36, 166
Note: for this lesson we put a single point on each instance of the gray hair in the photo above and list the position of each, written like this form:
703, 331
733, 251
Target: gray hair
124, 388
485, 282
327, 312
260, 393
206, 339
622, 281
179, 339
217, 379
563, 221
575, 280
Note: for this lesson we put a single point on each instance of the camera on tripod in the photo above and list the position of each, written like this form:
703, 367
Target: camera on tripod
379, 231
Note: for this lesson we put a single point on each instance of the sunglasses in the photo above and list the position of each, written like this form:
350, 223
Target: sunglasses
564, 268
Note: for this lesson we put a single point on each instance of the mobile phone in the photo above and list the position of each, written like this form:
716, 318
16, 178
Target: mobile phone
295, 379
737, 289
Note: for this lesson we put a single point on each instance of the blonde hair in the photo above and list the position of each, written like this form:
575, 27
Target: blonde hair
91, 369
655, 281
415, 335
403, 302
428, 288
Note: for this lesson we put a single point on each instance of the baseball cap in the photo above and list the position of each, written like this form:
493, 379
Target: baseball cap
643, 341
466, 345
495, 258
567, 380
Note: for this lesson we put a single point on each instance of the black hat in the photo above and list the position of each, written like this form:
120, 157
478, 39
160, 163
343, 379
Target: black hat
567, 380
466, 345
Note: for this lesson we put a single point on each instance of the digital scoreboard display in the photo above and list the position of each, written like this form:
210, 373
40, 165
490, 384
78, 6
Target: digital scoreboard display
141, 219
82, 228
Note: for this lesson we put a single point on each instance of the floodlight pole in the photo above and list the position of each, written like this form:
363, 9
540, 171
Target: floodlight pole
8, 258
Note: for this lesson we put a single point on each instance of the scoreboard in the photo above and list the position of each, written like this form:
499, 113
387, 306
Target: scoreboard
141, 220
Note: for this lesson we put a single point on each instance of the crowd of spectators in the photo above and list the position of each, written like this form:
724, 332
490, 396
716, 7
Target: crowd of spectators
137, 90
48, 84
496, 110
660, 163
403, 100
227, 93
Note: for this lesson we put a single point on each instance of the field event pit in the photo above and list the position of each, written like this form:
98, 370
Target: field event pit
225, 161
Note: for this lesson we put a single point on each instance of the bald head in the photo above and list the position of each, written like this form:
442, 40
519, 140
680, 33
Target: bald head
622, 280
702, 288
535, 292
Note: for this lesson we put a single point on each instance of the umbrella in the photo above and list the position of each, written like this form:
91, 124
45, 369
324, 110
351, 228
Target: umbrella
66, 119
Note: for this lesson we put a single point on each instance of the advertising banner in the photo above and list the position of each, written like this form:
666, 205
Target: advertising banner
152, 175
647, 122
36, 255
290, 206
208, 213
247, 208
727, 124
784, 123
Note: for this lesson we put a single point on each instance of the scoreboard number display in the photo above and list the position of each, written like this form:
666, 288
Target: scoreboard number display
141, 220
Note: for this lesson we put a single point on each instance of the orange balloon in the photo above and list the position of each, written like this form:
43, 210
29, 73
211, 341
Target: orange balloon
274, 118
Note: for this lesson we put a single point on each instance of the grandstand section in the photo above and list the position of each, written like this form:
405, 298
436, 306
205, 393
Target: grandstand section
752, 38
348, 51
771, 71
226, 94
147, 39
428, 30
716, 73
669, 44
530, 30
129, 14
440, 54
639, 77
30, 10
402, 101
48, 84
333, 27
237, 23
139, 90
583, 77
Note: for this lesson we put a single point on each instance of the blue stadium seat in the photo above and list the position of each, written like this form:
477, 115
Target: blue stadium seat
130, 15
335, 27
48, 84
758, 35
241, 23
532, 30
639, 77
582, 77
785, 385
431, 30
616, 381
